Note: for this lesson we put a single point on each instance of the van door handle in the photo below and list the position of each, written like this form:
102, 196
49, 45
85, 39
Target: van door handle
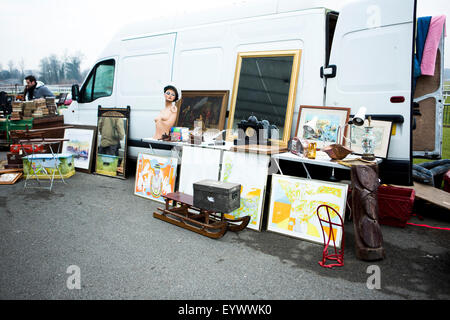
328, 72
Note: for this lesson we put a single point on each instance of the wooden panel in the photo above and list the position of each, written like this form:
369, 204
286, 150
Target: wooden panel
428, 84
431, 194
259, 148
425, 132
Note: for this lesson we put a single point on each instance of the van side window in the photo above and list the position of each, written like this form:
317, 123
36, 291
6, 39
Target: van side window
99, 83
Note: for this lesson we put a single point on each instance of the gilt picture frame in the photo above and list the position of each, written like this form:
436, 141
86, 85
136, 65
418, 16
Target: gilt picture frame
265, 78
208, 106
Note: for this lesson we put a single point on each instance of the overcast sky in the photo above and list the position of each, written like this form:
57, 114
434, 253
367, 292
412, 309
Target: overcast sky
33, 29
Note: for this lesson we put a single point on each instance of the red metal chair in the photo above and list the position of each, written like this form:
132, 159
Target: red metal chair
338, 255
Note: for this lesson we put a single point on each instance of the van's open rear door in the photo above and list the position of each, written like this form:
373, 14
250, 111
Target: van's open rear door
371, 65
429, 114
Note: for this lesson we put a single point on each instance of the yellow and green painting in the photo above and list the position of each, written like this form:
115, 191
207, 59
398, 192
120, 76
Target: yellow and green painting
293, 207
249, 170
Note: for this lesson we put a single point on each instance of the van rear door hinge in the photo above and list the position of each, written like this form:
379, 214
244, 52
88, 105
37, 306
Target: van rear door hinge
328, 72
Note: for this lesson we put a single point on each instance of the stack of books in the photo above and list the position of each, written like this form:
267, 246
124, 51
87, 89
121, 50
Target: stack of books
28, 109
51, 105
41, 108
17, 110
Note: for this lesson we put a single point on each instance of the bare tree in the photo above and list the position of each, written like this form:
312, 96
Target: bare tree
54, 65
44, 70
22, 67
73, 65
11, 66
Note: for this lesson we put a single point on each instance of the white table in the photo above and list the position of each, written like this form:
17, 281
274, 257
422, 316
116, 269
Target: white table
322, 159
178, 146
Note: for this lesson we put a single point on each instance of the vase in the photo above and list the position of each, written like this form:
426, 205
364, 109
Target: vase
368, 144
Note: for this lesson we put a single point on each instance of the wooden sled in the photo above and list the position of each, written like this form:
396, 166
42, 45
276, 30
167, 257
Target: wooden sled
182, 213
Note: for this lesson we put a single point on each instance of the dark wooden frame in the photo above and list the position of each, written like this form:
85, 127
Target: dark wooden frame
302, 107
115, 112
224, 94
92, 151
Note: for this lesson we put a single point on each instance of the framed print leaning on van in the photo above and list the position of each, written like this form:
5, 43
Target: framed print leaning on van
382, 131
321, 124
210, 107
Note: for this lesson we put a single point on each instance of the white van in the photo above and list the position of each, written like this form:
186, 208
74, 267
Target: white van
361, 56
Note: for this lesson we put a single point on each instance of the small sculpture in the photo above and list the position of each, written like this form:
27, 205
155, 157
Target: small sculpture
337, 151
368, 237
167, 117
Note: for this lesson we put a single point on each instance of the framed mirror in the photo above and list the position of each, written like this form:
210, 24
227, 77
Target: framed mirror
112, 136
265, 84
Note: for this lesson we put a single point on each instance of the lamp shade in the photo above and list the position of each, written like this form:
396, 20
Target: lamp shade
360, 116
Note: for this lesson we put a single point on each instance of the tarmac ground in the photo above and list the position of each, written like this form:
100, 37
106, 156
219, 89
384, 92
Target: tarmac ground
96, 227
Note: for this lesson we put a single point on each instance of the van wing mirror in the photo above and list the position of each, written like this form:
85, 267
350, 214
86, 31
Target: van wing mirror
75, 92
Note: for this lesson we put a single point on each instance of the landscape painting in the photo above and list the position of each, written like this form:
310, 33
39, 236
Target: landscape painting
209, 107
80, 146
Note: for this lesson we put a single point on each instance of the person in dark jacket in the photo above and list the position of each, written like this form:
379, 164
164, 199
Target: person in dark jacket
35, 89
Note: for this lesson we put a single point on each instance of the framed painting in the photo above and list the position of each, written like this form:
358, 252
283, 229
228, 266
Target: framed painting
198, 164
250, 170
382, 131
210, 107
112, 141
265, 86
321, 124
155, 176
293, 205
81, 146
10, 177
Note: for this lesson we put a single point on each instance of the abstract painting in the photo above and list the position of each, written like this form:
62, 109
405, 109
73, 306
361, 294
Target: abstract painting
293, 205
250, 170
155, 176
198, 164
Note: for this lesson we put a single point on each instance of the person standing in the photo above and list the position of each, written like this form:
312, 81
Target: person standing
35, 89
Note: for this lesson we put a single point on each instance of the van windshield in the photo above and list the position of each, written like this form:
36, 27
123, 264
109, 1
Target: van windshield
99, 83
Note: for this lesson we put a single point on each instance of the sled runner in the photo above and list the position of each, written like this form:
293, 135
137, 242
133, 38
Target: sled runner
180, 211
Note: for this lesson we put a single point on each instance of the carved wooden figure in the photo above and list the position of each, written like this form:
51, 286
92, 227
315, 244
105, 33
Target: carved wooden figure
368, 237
